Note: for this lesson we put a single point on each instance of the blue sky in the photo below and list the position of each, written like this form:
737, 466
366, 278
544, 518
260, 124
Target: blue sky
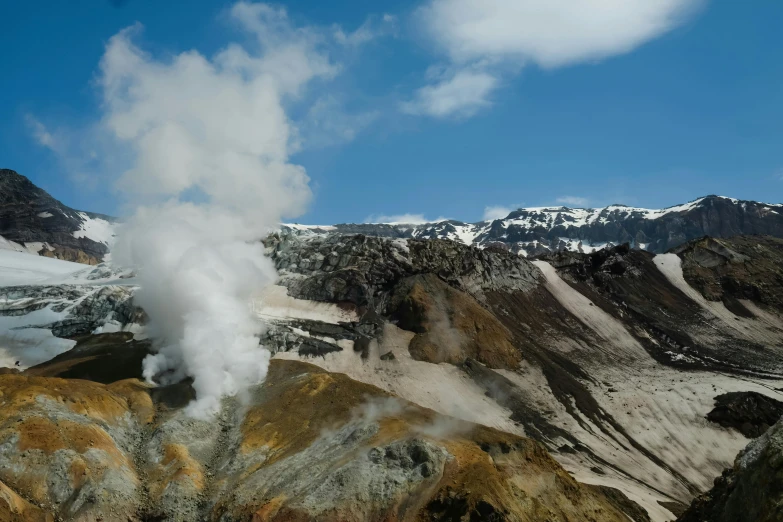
421, 111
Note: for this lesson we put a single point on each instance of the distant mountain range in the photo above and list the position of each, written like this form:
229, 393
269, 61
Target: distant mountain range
32, 220
540, 230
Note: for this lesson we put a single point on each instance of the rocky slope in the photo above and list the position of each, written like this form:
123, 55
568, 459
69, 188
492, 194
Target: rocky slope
32, 220
614, 362
750, 490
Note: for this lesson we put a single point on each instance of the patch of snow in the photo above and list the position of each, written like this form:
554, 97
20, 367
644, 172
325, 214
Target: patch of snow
297, 226
467, 233
763, 329
29, 248
275, 303
97, 229
620, 344
45, 214
23, 339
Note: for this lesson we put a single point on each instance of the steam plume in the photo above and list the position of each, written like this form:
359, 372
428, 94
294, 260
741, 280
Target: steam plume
210, 175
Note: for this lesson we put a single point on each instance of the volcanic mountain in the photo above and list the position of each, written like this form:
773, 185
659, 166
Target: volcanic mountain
415, 379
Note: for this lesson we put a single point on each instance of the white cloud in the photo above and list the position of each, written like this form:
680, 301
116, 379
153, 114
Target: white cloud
497, 34
550, 32
402, 219
461, 95
494, 212
573, 201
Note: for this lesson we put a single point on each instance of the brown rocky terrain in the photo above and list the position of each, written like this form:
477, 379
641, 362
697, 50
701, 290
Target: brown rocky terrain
305, 445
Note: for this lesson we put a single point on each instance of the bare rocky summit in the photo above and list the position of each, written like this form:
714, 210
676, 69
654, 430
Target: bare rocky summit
30, 216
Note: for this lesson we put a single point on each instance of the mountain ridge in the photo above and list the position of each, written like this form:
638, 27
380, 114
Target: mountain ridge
34, 221
534, 231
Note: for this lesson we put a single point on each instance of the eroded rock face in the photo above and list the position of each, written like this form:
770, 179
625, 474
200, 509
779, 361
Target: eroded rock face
751, 490
68, 446
450, 326
361, 269
309, 445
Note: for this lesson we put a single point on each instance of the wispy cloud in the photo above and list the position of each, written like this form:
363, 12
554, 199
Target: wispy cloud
402, 219
461, 94
494, 212
574, 201
328, 123
373, 28
40, 132
499, 36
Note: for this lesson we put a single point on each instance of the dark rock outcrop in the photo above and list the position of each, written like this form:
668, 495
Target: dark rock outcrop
750, 413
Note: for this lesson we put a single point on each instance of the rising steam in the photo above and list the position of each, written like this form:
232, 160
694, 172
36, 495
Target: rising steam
210, 175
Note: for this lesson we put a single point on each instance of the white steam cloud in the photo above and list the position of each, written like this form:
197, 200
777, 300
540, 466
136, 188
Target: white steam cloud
210, 175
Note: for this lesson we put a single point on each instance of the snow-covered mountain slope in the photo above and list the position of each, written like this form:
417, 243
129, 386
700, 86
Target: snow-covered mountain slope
33, 221
540, 230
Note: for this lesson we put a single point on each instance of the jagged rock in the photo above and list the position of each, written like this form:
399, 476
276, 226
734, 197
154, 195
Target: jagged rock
83, 308
361, 269
450, 326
